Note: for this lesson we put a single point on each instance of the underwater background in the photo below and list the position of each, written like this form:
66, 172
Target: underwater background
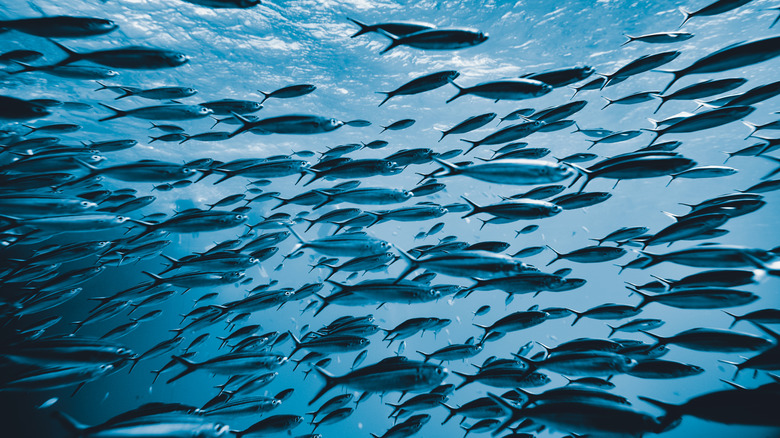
233, 53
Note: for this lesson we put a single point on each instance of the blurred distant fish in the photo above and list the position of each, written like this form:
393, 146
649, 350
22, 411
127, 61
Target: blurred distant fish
224, 4
133, 57
19, 109
397, 29
288, 92
61, 26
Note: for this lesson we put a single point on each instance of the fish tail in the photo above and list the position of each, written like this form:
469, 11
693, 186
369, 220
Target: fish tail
686, 16
577, 318
646, 299
663, 101
612, 330
450, 168
657, 132
425, 355
117, 113
609, 102
296, 343
677, 75
413, 264
73, 427
72, 56
466, 379
659, 340
753, 128
474, 144
452, 412
330, 382
513, 411
191, 366
103, 87
461, 92
672, 411
246, 124
736, 318
388, 95
475, 209
128, 92
557, 256
364, 28
662, 280
776, 20
443, 134
630, 39
395, 42
606, 82
265, 96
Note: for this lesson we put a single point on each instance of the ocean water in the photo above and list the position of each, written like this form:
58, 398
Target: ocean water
236, 52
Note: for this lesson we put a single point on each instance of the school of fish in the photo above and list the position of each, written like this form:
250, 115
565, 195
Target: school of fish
324, 232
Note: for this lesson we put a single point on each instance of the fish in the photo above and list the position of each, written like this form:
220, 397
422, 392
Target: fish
61, 26
516, 89
288, 92
397, 29
132, 57
421, 84
660, 38
390, 374
435, 39
728, 58
715, 8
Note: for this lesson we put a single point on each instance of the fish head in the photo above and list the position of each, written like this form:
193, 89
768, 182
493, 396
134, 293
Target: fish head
479, 38
586, 71
450, 75
570, 284
86, 205
202, 111
247, 3
216, 430
100, 26
546, 88
332, 124
234, 276
626, 363
176, 59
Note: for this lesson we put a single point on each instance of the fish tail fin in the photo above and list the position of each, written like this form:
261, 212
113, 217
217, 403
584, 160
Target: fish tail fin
686, 16
296, 343
607, 79
461, 91
736, 364
630, 39
646, 299
394, 41
576, 318
117, 113
364, 28
609, 102
451, 412
330, 382
473, 143
672, 411
72, 56
425, 355
475, 209
513, 411
581, 173
246, 124
768, 331
671, 215
736, 318
466, 379
25, 68
753, 128
557, 256
73, 427
663, 101
387, 94
450, 168
413, 264
665, 281
190, 367
265, 96
443, 134
301, 242
655, 131
103, 87
677, 75
658, 339
612, 330
127, 92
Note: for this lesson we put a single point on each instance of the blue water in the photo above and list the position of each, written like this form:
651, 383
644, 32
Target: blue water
233, 53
